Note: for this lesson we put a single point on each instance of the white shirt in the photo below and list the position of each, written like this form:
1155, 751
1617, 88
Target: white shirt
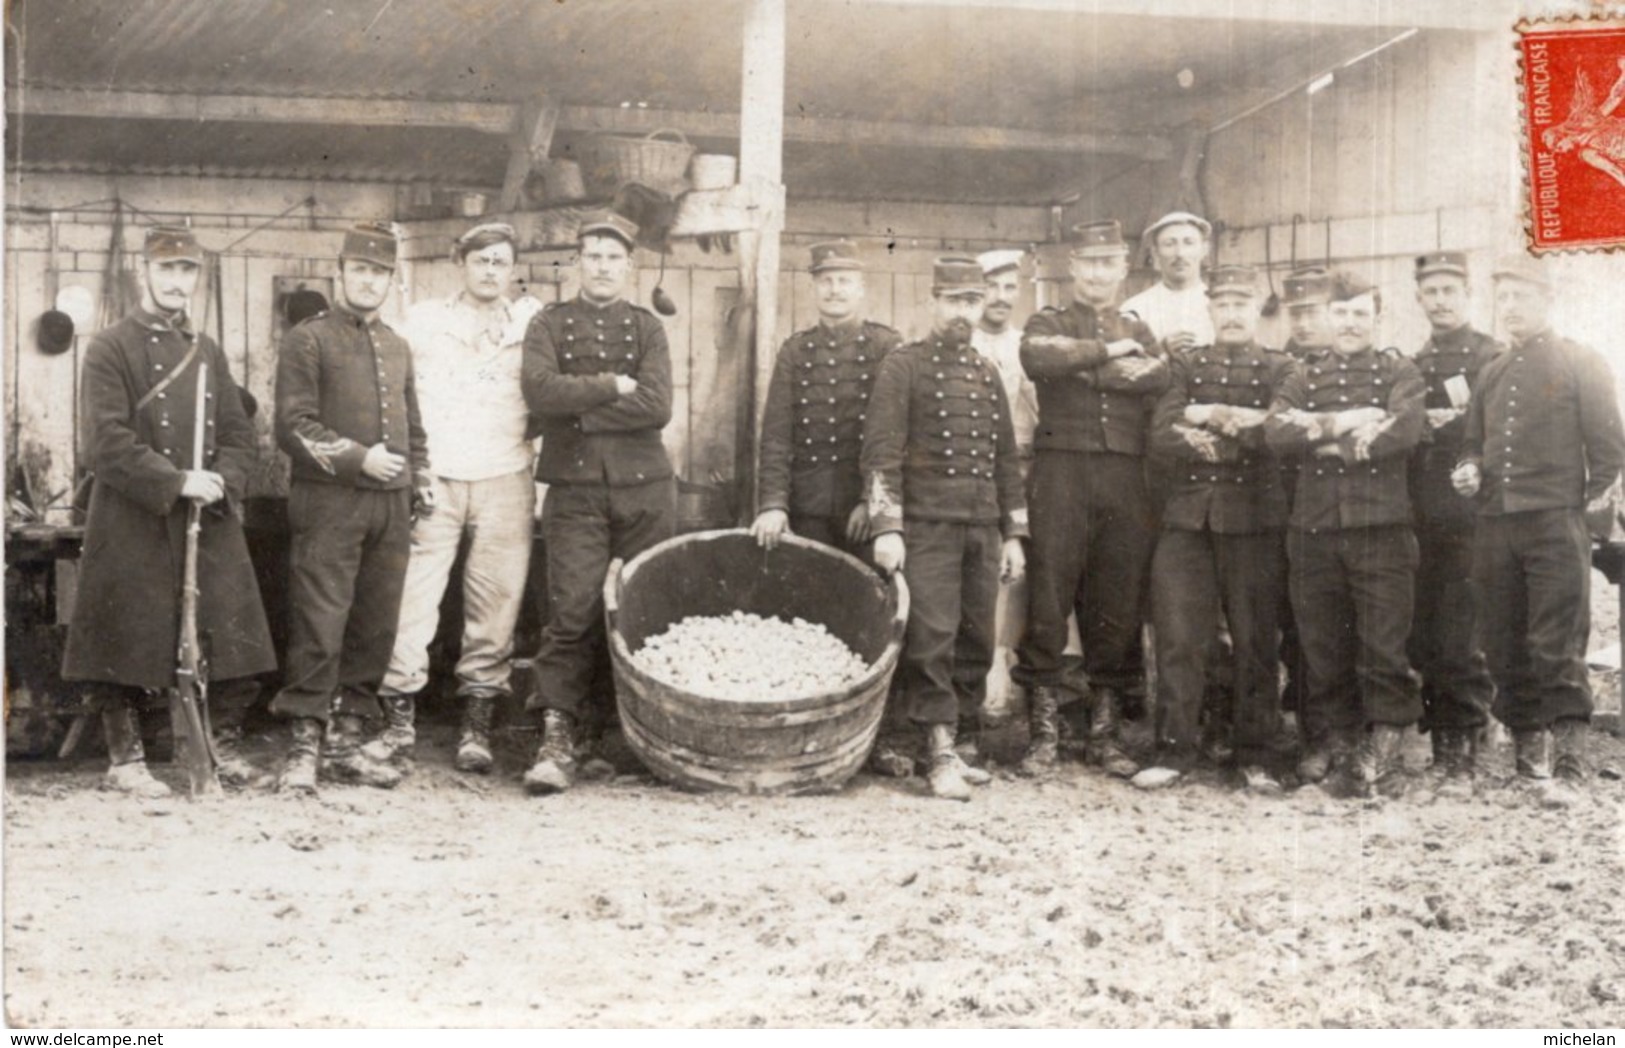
1004, 350
468, 386
1166, 311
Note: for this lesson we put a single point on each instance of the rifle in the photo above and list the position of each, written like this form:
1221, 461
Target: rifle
188, 700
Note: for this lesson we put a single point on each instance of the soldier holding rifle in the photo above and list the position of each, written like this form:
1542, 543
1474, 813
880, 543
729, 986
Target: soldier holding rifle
141, 384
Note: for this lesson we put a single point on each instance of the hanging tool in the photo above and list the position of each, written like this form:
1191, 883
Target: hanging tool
1272, 304
659, 299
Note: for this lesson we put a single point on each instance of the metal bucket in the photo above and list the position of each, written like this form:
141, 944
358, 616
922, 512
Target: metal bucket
798, 745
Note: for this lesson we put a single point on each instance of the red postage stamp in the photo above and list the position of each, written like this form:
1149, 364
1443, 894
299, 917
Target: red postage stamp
1573, 92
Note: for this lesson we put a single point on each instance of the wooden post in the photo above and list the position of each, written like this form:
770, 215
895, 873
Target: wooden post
528, 143
761, 170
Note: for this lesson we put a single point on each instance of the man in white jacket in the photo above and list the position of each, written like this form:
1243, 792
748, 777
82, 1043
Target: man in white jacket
466, 351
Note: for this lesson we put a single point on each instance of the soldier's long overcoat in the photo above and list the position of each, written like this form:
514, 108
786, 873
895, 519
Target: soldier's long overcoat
126, 620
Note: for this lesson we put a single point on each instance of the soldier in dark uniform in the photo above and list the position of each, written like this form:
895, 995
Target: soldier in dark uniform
1306, 293
597, 376
1221, 546
1542, 451
139, 388
943, 483
1444, 645
1098, 376
812, 430
347, 416
812, 434
1352, 414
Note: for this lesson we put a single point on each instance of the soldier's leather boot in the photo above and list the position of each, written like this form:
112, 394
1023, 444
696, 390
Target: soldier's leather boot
304, 751
555, 768
1455, 761
126, 758
1569, 762
968, 744
400, 732
343, 760
474, 743
1043, 731
1379, 762
1529, 754
231, 766
1316, 762
947, 775
1103, 746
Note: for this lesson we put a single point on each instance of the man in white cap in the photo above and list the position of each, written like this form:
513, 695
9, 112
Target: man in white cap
466, 356
998, 339
1176, 307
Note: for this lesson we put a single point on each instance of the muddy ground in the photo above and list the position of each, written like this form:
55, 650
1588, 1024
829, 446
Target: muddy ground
1076, 901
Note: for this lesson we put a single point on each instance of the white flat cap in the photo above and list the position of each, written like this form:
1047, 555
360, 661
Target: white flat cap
998, 261
1179, 218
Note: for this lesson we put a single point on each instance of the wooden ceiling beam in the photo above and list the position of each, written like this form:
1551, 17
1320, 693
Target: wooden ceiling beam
528, 145
499, 119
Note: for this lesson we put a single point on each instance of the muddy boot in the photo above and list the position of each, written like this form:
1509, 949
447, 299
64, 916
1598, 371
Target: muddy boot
1529, 754
1316, 763
1569, 762
555, 767
299, 770
344, 761
231, 766
1259, 780
1043, 732
474, 743
968, 746
1103, 746
1379, 765
1455, 761
400, 729
947, 775
126, 759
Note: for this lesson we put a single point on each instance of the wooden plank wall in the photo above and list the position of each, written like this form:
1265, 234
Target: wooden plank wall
40, 392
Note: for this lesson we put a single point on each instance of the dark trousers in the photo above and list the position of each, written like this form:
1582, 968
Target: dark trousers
831, 531
1444, 645
1091, 548
1351, 593
1533, 571
586, 526
347, 567
1195, 576
952, 572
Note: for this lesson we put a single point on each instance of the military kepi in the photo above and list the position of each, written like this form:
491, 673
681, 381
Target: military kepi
610, 224
370, 242
171, 244
1522, 267
957, 275
1232, 280
1441, 262
1098, 239
834, 254
1307, 287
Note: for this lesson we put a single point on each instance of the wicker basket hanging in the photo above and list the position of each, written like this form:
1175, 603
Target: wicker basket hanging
611, 161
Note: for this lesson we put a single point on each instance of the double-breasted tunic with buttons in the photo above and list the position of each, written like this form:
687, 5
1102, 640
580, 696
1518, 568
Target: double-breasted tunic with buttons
1444, 645
940, 464
1221, 545
609, 480
126, 619
1094, 527
1351, 552
812, 430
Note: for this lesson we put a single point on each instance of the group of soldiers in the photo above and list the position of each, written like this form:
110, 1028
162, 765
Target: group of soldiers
1405, 539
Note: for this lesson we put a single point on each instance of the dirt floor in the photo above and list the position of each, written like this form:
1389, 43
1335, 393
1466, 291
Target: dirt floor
1075, 901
